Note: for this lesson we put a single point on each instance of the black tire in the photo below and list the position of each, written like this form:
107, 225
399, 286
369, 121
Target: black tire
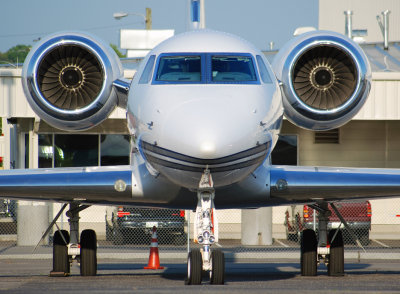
217, 275
60, 252
336, 256
88, 253
195, 267
308, 254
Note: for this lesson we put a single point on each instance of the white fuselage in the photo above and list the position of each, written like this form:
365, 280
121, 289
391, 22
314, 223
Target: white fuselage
182, 128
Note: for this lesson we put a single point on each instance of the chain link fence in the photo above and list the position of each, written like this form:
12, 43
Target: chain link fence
8, 220
123, 228
133, 225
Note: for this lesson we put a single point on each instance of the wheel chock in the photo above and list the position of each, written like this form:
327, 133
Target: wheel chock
58, 274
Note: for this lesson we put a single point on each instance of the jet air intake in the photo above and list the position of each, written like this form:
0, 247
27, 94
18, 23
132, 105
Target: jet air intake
70, 77
68, 80
326, 79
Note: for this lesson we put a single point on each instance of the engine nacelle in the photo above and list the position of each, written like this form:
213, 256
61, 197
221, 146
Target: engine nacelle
68, 80
325, 77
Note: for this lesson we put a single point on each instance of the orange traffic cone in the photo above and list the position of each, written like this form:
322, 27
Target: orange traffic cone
154, 260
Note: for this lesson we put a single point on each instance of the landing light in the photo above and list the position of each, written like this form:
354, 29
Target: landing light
212, 239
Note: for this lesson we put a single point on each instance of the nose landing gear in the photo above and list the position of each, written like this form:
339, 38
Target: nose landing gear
205, 259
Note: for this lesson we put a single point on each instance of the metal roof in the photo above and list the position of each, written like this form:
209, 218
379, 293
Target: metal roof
383, 60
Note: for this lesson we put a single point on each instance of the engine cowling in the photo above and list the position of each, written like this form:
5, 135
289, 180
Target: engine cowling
326, 79
68, 80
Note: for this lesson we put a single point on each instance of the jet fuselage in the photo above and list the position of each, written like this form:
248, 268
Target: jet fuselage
218, 108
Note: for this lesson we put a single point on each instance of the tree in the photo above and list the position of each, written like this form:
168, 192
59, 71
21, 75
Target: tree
120, 55
17, 54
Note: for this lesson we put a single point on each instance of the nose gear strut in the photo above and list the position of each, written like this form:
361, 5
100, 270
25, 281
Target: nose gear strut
205, 259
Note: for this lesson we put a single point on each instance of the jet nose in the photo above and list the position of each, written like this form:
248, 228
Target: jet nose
203, 129
207, 148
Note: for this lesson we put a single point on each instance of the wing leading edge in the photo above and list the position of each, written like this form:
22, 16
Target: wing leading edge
91, 184
113, 185
298, 184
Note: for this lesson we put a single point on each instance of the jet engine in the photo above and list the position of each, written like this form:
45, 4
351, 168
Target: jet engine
325, 79
68, 80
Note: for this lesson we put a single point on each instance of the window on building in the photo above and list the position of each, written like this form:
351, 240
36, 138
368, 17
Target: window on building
76, 150
114, 150
66, 150
285, 151
46, 150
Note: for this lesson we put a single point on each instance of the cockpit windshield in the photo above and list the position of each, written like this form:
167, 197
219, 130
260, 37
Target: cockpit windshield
232, 68
206, 68
179, 68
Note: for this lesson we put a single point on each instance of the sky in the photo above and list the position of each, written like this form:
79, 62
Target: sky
258, 21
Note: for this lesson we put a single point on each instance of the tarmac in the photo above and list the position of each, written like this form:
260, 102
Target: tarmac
9, 250
126, 276
249, 269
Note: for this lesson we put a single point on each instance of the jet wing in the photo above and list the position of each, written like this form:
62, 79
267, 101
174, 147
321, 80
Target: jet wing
118, 184
109, 185
300, 183
84, 184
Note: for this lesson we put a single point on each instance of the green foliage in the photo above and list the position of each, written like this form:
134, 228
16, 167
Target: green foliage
14, 55
120, 55
18, 53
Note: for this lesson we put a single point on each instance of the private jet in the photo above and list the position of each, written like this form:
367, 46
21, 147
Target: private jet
204, 112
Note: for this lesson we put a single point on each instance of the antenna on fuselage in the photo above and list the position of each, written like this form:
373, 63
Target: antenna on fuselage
197, 14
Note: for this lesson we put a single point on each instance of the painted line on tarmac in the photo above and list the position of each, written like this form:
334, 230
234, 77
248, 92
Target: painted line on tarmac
381, 243
281, 243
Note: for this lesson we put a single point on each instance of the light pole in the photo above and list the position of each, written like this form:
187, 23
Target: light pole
147, 17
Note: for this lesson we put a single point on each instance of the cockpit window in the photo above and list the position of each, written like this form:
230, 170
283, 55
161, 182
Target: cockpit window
232, 69
179, 69
263, 70
206, 68
146, 76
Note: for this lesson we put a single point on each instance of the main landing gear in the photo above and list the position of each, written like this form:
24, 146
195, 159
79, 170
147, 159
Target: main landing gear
204, 259
328, 249
67, 248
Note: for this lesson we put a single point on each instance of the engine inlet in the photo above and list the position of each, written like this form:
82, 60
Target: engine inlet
70, 77
325, 77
